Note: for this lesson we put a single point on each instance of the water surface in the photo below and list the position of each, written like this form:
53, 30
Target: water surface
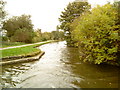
60, 67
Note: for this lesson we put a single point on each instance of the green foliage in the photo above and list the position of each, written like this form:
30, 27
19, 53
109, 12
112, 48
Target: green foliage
46, 36
61, 35
3, 15
23, 35
98, 35
2, 11
54, 35
72, 11
57, 35
38, 35
17, 23
10, 44
4, 38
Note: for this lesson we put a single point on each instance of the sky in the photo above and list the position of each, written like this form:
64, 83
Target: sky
44, 13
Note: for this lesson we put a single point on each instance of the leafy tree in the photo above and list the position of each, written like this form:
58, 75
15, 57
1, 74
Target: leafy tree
23, 35
2, 18
73, 26
73, 10
117, 6
17, 23
46, 36
61, 35
38, 32
2, 12
57, 35
98, 35
38, 36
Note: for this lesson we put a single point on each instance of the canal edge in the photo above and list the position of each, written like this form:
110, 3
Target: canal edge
22, 60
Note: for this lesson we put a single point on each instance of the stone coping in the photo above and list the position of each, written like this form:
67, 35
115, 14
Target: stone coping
20, 56
28, 59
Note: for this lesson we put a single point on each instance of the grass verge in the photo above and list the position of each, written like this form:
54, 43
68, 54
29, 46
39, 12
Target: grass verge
10, 44
21, 51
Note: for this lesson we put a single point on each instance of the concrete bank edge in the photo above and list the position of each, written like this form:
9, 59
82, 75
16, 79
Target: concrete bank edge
23, 59
21, 56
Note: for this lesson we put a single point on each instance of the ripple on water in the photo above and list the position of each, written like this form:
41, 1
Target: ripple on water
60, 67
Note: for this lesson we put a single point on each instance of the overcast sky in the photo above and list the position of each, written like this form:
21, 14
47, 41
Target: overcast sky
45, 13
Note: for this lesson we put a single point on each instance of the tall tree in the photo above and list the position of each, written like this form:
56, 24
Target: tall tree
73, 10
2, 12
3, 15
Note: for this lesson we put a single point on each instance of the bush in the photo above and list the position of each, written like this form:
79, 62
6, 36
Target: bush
5, 38
98, 35
23, 35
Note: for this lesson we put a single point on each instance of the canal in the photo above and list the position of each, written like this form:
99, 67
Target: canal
60, 67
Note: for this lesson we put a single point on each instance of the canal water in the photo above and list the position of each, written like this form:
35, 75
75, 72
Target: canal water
60, 67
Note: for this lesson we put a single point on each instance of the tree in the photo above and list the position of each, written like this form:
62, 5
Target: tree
55, 35
61, 35
98, 35
117, 6
73, 10
17, 23
46, 36
38, 36
2, 18
23, 35
2, 12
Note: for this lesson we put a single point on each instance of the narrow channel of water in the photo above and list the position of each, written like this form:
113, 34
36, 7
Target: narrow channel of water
60, 67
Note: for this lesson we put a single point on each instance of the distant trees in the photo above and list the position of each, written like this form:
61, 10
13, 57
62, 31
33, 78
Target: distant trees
19, 27
37, 36
57, 35
46, 36
54, 35
70, 13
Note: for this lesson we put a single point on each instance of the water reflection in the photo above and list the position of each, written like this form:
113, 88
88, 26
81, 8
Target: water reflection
10, 73
60, 67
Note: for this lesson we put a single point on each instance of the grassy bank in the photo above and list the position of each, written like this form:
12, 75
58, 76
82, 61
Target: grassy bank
10, 44
21, 51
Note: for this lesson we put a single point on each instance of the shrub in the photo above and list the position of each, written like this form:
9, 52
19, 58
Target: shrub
23, 35
98, 35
